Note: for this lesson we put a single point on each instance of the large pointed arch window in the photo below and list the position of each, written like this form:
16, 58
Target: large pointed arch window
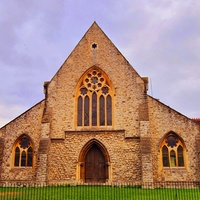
23, 152
94, 100
172, 149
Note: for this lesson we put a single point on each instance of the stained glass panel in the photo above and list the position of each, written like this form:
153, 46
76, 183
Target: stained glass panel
84, 91
94, 80
17, 155
80, 106
102, 110
105, 90
86, 111
94, 109
172, 158
180, 156
30, 156
24, 143
109, 110
165, 156
23, 158
171, 141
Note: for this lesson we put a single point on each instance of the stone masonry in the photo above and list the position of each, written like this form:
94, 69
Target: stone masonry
131, 146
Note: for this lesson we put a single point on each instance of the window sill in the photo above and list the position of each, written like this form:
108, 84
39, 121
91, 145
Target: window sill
94, 128
97, 130
174, 168
21, 168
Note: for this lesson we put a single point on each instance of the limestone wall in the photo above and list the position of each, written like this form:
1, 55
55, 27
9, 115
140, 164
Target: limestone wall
132, 143
128, 85
28, 123
125, 164
163, 119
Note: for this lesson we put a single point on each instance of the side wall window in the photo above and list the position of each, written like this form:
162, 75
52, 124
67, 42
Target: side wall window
172, 151
23, 152
94, 100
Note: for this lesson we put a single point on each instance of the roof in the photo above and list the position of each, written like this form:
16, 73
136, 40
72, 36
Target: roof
196, 120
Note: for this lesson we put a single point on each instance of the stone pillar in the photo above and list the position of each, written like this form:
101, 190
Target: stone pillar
145, 140
42, 160
198, 156
1, 154
146, 155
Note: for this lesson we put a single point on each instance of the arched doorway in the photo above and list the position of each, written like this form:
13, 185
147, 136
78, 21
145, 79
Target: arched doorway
95, 166
94, 163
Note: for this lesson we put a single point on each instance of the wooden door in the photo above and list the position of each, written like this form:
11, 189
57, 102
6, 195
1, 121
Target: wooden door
95, 166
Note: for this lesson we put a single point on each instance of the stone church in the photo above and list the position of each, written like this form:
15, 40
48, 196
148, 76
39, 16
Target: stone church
97, 124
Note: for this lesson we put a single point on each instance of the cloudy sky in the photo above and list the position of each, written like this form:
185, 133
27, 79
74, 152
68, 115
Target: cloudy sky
160, 38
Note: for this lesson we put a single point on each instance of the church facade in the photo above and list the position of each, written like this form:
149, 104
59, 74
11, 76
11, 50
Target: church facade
97, 124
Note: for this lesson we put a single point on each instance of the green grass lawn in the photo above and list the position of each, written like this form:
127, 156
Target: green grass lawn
96, 193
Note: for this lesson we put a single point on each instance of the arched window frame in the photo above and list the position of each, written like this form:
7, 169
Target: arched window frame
173, 151
94, 100
23, 152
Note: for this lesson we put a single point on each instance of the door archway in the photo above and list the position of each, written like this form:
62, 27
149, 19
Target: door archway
94, 163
